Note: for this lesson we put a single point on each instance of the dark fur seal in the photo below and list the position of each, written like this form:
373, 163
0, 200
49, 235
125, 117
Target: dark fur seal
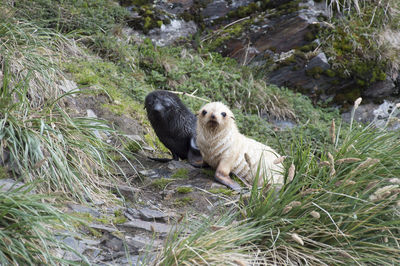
174, 124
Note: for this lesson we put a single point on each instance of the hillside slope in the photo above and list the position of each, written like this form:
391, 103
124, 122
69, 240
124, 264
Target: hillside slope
76, 186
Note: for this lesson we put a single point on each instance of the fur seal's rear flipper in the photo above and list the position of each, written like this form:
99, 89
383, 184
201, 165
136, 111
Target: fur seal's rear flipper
194, 155
161, 160
227, 181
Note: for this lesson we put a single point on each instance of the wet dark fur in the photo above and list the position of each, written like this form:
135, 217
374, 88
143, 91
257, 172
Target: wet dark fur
174, 124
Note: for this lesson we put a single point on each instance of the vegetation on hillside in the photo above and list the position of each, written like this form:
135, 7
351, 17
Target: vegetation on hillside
341, 207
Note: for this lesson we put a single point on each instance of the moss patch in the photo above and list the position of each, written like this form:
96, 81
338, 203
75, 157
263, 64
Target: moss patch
181, 173
184, 190
183, 201
161, 183
224, 191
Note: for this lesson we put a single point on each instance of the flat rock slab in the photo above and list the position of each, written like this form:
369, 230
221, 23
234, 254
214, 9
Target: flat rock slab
148, 226
103, 228
8, 184
149, 214
83, 209
142, 242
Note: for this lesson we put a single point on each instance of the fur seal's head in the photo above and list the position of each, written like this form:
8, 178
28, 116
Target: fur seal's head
159, 102
215, 116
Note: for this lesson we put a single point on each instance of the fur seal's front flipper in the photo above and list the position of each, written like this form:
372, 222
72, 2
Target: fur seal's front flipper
227, 181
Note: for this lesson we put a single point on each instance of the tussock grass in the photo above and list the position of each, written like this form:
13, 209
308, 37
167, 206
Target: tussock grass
44, 142
26, 229
341, 207
212, 241
47, 144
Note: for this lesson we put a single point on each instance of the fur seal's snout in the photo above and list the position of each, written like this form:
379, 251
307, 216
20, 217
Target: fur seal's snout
226, 150
174, 124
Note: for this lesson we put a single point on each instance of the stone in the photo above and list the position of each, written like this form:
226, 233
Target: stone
114, 243
318, 61
124, 190
68, 86
169, 33
8, 184
83, 209
142, 242
149, 214
148, 226
103, 228
380, 90
155, 173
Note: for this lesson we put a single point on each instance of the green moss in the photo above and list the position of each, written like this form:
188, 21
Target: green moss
119, 217
161, 183
94, 232
224, 191
309, 36
330, 73
181, 173
208, 172
183, 201
308, 47
315, 72
155, 143
184, 190
290, 60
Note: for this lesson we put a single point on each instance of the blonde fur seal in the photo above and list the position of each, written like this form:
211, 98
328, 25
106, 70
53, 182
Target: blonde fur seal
226, 150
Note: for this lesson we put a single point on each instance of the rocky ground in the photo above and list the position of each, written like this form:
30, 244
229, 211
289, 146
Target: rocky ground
152, 201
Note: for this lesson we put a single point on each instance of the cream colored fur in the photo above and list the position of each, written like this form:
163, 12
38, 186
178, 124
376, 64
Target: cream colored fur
220, 142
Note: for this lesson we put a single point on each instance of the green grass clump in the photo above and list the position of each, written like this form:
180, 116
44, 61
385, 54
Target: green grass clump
78, 17
161, 183
181, 173
183, 201
224, 191
184, 190
27, 226
212, 241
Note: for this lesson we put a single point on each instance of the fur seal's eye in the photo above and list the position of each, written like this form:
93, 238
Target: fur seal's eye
223, 114
204, 112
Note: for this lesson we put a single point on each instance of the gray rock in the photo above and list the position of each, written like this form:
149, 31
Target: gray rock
142, 242
174, 165
149, 214
380, 90
125, 191
78, 247
148, 226
318, 61
155, 173
83, 209
103, 228
67, 86
8, 184
114, 243
364, 113
4, 156
168, 34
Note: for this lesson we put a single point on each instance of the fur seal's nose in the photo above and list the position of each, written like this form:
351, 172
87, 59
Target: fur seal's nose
158, 107
212, 116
